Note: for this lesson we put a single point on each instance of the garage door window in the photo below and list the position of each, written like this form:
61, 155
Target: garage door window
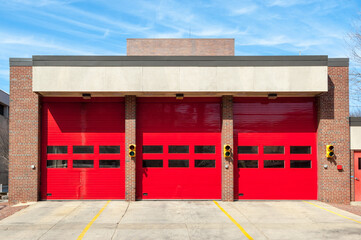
300, 150
274, 164
300, 163
178, 163
109, 149
153, 149
273, 149
204, 149
57, 149
178, 149
83, 149
83, 163
247, 163
247, 149
152, 163
109, 163
205, 163
57, 164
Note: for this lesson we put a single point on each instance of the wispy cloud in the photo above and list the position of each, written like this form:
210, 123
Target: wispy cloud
244, 10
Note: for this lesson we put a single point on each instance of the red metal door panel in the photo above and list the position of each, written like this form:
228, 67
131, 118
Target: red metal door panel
357, 167
190, 122
76, 122
282, 122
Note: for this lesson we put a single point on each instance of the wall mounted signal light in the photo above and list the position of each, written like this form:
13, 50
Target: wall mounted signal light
87, 96
272, 96
131, 150
227, 151
179, 96
330, 151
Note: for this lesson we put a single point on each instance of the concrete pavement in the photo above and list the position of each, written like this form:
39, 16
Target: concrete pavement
180, 220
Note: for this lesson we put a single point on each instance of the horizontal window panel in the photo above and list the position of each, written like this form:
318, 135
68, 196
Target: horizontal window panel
247, 163
109, 149
109, 163
83, 163
359, 163
247, 149
300, 163
273, 149
178, 149
153, 163
153, 149
178, 163
274, 164
205, 163
300, 149
57, 149
83, 149
57, 164
205, 149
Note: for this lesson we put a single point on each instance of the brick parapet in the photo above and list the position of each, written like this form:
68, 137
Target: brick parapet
24, 141
130, 138
180, 47
333, 129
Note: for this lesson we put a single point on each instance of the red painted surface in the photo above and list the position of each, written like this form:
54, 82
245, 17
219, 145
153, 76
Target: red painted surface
357, 155
73, 121
281, 122
166, 121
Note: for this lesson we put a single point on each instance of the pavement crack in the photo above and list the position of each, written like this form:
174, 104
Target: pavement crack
116, 227
59, 221
255, 225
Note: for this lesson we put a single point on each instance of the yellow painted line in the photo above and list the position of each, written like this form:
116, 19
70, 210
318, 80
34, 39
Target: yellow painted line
333, 212
92, 221
234, 221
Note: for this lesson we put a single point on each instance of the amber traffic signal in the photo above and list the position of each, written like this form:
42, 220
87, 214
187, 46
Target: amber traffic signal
227, 151
132, 150
330, 151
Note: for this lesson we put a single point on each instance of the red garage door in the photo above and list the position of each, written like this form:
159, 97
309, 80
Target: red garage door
276, 151
82, 148
178, 148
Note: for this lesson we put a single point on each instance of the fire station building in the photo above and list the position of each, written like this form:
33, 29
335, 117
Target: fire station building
180, 119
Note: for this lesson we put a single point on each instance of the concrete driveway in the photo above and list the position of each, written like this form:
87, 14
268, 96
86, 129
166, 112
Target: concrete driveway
181, 220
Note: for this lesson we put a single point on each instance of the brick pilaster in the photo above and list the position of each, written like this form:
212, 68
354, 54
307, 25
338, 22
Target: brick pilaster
130, 138
333, 129
24, 143
227, 138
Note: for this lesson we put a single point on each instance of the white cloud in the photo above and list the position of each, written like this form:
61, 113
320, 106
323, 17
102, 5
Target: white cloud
244, 10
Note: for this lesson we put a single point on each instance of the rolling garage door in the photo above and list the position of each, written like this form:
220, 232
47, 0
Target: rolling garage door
82, 148
178, 148
276, 151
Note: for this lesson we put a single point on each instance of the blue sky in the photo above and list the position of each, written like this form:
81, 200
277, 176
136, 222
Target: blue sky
260, 27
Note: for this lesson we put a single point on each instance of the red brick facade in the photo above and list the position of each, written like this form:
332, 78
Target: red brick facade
333, 129
180, 47
130, 138
333, 126
23, 137
227, 138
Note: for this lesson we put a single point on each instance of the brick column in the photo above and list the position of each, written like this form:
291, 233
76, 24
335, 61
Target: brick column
333, 129
130, 138
24, 143
352, 158
227, 138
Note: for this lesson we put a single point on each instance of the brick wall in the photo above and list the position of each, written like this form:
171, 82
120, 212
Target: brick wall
180, 47
130, 138
333, 128
227, 138
23, 137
